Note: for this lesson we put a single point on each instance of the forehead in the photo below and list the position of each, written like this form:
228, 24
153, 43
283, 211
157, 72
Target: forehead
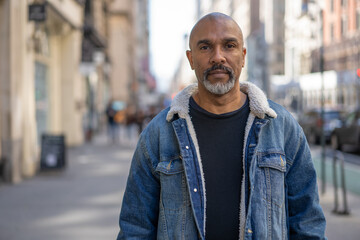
215, 29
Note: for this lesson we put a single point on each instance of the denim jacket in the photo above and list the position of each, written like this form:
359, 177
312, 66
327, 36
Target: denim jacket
165, 196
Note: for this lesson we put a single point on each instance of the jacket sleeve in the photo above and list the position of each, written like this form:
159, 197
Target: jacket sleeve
140, 206
305, 216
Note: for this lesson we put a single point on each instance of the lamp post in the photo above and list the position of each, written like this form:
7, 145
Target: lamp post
322, 100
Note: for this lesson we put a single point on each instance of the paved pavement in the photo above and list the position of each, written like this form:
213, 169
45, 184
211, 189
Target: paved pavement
83, 201
80, 203
343, 227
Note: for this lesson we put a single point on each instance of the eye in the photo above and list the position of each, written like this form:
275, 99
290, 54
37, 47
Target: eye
204, 47
230, 45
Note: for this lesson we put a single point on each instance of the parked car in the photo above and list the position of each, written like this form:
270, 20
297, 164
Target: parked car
347, 131
311, 123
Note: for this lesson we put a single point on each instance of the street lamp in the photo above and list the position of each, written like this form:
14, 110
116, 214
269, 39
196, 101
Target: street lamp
323, 175
319, 8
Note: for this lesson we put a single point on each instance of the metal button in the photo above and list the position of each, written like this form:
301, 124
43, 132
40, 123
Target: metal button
249, 231
195, 189
187, 147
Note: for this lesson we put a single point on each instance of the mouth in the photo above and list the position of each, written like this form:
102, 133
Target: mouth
218, 72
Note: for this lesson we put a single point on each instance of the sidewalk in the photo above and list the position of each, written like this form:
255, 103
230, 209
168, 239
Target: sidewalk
343, 227
83, 201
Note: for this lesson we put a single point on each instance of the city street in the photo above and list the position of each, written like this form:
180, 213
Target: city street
83, 201
345, 227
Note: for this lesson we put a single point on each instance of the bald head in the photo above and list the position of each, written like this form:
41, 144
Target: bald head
212, 18
216, 54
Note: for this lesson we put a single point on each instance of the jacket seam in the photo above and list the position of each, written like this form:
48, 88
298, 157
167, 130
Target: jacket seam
290, 161
148, 159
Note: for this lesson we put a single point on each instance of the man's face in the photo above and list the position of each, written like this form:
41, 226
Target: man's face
217, 54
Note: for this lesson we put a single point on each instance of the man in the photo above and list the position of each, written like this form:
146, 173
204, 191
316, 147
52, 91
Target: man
223, 162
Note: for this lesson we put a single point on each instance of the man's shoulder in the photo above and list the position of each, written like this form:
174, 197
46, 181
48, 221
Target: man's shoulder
282, 113
158, 122
160, 118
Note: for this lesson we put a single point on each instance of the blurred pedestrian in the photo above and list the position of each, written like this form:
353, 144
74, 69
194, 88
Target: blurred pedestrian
222, 162
111, 123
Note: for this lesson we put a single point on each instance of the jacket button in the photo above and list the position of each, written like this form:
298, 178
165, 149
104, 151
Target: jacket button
195, 189
187, 147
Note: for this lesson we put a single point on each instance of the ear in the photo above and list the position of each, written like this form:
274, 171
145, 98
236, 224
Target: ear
244, 54
189, 56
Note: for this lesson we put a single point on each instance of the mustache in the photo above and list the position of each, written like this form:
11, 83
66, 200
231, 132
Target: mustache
218, 67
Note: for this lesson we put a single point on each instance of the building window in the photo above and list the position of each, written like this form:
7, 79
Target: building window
343, 26
343, 3
332, 32
358, 19
41, 98
304, 6
332, 5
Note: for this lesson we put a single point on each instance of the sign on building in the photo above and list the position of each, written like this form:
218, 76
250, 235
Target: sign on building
37, 12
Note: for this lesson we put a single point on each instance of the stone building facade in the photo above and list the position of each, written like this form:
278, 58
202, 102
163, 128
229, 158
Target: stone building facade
61, 61
40, 84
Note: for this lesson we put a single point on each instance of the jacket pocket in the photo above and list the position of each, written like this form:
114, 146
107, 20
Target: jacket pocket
273, 168
173, 185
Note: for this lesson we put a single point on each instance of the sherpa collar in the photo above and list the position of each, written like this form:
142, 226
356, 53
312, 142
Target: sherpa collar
259, 105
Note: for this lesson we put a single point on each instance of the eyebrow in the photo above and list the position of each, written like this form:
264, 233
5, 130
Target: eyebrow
204, 41
207, 41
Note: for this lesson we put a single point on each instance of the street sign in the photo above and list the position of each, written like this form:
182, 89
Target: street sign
358, 72
37, 12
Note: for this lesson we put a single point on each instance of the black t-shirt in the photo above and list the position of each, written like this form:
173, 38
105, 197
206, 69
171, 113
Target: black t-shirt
221, 141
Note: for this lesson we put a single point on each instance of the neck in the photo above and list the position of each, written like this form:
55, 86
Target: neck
219, 104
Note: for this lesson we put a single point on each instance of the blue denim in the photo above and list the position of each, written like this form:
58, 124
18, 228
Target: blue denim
165, 196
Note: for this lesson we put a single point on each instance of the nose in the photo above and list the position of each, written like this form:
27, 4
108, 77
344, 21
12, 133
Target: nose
217, 56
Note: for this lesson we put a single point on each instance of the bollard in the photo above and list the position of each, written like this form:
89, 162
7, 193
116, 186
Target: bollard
336, 201
343, 184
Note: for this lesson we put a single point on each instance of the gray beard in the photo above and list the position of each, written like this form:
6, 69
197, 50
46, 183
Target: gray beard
219, 88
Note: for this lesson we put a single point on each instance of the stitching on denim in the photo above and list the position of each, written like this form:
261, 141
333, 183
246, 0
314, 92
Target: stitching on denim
185, 199
163, 159
268, 205
163, 218
148, 159
269, 152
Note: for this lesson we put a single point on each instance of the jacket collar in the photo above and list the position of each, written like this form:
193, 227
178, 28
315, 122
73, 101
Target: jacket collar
259, 105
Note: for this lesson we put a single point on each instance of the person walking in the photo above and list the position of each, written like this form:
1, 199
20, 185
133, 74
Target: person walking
223, 161
112, 125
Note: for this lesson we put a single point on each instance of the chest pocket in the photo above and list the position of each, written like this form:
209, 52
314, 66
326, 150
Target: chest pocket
272, 168
173, 185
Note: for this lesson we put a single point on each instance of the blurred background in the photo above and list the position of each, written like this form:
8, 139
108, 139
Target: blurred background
80, 79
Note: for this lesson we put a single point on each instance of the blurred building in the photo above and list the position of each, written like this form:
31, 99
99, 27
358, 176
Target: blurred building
130, 77
257, 47
298, 45
184, 75
95, 65
331, 45
341, 43
61, 61
40, 82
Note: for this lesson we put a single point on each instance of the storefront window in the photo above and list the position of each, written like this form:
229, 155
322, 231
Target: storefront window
41, 98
